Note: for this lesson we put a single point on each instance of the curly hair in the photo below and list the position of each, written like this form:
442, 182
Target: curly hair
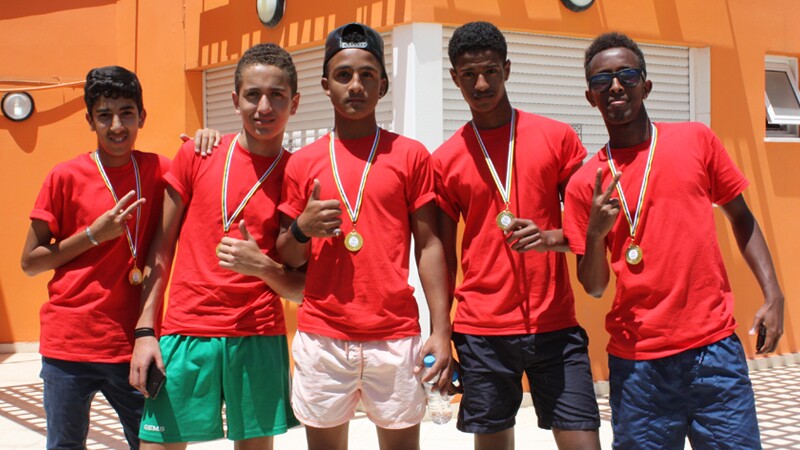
476, 36
111, 82
612, 40
266, 54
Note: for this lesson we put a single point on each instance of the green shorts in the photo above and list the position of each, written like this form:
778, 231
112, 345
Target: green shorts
250, 375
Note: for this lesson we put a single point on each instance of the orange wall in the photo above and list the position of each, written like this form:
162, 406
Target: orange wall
170, 43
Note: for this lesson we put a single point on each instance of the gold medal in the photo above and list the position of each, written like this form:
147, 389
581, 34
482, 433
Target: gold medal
353, 241
633, 254
504, 220
135, 276
218, 249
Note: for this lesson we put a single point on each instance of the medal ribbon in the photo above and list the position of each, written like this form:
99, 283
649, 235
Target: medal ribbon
634, 223
133, 242
353, 212
505, 191
226, 221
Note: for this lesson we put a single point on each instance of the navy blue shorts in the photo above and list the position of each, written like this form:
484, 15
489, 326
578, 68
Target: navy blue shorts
703, 393
560, 377
69, 388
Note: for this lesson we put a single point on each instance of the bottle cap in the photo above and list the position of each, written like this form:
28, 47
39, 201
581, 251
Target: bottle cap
429, 360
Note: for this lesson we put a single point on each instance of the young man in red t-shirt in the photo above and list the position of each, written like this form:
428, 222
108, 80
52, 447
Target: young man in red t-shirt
90, 224
358, 327
504, 173
223, 339
676, 367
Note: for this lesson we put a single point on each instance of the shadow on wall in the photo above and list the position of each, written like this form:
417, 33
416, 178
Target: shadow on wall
219, 44
25, 9
25, 134
5, 326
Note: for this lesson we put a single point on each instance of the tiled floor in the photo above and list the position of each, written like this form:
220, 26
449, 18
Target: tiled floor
22, 423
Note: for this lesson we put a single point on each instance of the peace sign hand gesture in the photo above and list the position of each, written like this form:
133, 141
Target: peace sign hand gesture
111, 224
605, 208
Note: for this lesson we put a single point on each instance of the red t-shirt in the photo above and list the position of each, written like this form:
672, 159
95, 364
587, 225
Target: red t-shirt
363, 295
505, 292
93, 308
678, 297
205, 299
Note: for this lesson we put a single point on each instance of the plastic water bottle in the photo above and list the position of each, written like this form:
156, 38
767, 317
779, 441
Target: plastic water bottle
438, 403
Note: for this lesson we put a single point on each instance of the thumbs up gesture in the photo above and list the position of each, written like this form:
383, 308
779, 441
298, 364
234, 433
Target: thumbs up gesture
320, 218
243, 255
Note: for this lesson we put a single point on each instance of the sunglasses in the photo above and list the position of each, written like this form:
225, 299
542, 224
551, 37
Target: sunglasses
627, 78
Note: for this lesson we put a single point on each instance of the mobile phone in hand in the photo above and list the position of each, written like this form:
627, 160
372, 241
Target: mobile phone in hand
155, 380
762, 336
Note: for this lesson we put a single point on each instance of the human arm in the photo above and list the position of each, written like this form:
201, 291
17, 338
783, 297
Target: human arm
320, 218
430, 256
156, 276
205, 140
593, 269
245, 257
524, 235
448, 230
40, 254
754, 249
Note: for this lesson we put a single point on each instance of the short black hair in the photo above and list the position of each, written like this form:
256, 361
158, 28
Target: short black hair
266, 54
476, 36
111, 82
612, 40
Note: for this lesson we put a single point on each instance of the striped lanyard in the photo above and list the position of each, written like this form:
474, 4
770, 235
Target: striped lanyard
133, 242
505, 191
353, 212
228, 221
633, 223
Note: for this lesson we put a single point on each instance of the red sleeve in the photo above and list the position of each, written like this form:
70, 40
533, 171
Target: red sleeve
443, 199
577, 204
48, 205
182, 171
420, 189
572, 156
726, 180
293, 193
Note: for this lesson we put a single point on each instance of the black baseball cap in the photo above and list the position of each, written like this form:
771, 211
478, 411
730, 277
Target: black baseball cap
372, 42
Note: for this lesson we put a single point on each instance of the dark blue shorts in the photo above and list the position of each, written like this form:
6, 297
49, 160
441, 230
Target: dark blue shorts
560, 377
703, 393
69, 388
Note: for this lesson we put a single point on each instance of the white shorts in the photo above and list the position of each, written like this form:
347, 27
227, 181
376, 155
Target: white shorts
332, 375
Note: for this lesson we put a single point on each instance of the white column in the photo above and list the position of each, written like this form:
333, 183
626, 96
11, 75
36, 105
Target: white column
417, 99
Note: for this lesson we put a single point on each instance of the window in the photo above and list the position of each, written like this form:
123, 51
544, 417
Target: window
781, 97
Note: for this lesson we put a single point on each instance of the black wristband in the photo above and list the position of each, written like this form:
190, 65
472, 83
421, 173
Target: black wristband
297, 233
143, 332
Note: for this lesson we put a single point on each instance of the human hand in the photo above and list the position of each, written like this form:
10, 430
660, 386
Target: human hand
605, 209
243, 255
771, 316
111, 224
524, 235
205, 140
438, 345
145, 351
320, 218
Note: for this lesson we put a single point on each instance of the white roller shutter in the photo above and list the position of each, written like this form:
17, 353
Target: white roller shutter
314, 116
547, 78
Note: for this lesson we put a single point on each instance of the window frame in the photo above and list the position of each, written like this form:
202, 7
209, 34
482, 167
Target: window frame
788, 124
